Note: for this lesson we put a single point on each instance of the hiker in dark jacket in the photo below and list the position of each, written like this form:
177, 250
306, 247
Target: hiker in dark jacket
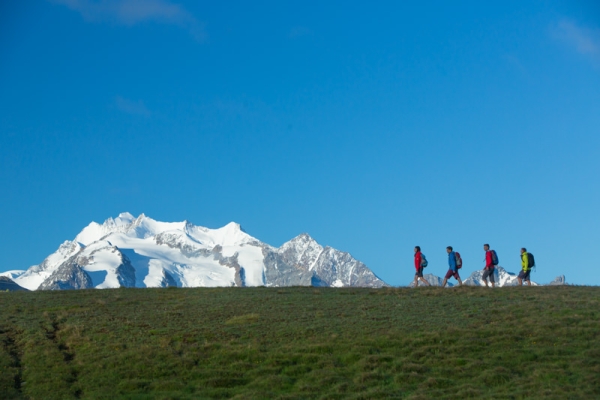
453, 270
525, 268
419, 259
488, 271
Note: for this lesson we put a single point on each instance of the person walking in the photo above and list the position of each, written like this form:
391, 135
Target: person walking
453, 266
420, 263
525, 268
488, 271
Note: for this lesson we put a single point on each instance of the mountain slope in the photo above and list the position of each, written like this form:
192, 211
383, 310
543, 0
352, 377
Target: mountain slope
140, 252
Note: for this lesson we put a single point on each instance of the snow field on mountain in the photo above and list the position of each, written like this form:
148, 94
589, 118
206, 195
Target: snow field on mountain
149, 260
32, 279
103, 261
252, 260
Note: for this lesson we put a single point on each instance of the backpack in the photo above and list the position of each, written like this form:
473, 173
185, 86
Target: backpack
530, 261
458, 260
423, 261
494, 257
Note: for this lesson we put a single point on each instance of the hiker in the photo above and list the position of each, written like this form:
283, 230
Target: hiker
454, 262
420, 263
526, 268
491, 260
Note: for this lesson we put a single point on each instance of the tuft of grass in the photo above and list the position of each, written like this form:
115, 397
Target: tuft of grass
298, 342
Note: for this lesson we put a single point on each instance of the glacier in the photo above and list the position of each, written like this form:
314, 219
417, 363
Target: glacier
141, 252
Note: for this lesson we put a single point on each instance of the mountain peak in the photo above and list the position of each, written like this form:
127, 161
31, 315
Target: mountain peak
234, 226
303, 238
126, 216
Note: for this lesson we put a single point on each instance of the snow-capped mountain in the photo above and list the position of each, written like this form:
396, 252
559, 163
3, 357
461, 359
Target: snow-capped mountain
141, 252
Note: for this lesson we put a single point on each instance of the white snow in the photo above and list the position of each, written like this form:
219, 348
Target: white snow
337, 283
252, 260
12, 274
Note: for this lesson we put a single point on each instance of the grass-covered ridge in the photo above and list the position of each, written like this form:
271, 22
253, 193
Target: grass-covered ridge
538, 342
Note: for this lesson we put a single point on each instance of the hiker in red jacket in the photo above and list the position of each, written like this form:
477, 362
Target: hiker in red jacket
419, 265
488, 271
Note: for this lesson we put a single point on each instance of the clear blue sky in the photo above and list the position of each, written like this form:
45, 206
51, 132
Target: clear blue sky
372, 127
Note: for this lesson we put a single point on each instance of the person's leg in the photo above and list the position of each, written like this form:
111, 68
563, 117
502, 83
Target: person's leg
492, 279
459, 281
527, 278
486, 273
424, 281
448, 275
522, 277
416, 282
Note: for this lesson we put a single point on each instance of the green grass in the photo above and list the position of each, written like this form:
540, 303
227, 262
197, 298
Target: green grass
256, 343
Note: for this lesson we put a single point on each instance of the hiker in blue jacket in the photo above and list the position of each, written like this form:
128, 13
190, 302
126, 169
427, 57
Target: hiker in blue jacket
453, 270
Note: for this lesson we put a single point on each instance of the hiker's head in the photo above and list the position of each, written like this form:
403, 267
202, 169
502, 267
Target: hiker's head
486, 247
449, 249
417, 249
523, 250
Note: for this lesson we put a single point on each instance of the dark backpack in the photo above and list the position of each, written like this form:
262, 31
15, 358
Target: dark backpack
494, 257
423, 261
458, 260
530, 261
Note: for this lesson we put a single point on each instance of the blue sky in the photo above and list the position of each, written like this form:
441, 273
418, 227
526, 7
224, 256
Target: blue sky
372, 127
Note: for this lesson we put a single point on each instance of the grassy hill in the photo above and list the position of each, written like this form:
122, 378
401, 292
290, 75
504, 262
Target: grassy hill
254, 343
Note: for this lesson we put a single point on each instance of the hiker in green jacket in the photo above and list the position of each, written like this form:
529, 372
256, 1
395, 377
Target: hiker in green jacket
525, 268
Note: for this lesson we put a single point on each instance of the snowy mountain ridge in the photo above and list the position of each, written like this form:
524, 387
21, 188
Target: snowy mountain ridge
130, 251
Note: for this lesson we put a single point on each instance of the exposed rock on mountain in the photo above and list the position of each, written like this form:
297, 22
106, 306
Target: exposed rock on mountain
326, 266
69, 275
559, 280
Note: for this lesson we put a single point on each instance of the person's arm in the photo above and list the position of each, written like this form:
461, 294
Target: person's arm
452, 261
488, 259
418, 261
